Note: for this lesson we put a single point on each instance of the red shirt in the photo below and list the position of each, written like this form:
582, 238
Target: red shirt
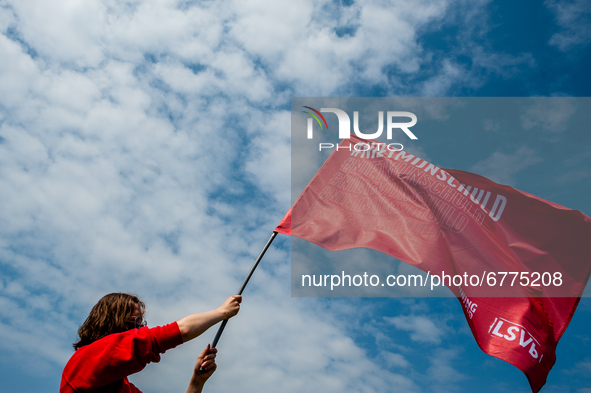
104, 365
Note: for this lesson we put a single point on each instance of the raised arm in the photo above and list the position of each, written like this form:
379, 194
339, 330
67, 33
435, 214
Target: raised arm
193, 325
204, 367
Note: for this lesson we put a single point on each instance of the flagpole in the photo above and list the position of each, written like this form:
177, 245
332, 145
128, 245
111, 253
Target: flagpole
252, 269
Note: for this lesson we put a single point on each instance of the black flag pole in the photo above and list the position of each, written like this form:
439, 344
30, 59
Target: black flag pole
252, 269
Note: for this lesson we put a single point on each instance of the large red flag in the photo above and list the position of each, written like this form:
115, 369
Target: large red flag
484, 240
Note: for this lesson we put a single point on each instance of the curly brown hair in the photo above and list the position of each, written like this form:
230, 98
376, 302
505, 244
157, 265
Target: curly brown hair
109, 315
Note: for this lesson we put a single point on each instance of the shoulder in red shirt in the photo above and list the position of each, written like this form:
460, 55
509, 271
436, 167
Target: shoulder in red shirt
104, 365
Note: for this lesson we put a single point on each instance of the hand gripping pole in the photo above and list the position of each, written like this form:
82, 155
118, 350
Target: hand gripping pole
252, 269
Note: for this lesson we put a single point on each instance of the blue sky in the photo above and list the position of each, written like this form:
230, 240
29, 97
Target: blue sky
145, 147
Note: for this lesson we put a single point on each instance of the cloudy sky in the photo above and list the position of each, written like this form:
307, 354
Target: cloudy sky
145, 147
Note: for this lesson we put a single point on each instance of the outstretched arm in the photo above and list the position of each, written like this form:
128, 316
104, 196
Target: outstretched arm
193, 325
204, 367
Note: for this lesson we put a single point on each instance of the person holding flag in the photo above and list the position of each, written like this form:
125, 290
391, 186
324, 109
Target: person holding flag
115, 343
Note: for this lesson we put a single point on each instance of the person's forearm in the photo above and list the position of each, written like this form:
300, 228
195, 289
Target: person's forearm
195, 386
193, 325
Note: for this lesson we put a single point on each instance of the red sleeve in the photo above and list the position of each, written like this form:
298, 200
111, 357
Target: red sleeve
118, 355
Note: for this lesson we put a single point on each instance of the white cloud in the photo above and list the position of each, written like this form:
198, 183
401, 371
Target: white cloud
395, 360
550, 114
439, 84
573, 17
502, 168
580, 368
268, 157
18, 73
441, 371
503, 64
421, 328
142, 151
305, 50
491, 125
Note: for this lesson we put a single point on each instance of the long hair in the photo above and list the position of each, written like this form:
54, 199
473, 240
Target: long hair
108, 316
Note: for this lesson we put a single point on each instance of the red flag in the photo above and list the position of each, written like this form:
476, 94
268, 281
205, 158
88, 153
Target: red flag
482, 239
